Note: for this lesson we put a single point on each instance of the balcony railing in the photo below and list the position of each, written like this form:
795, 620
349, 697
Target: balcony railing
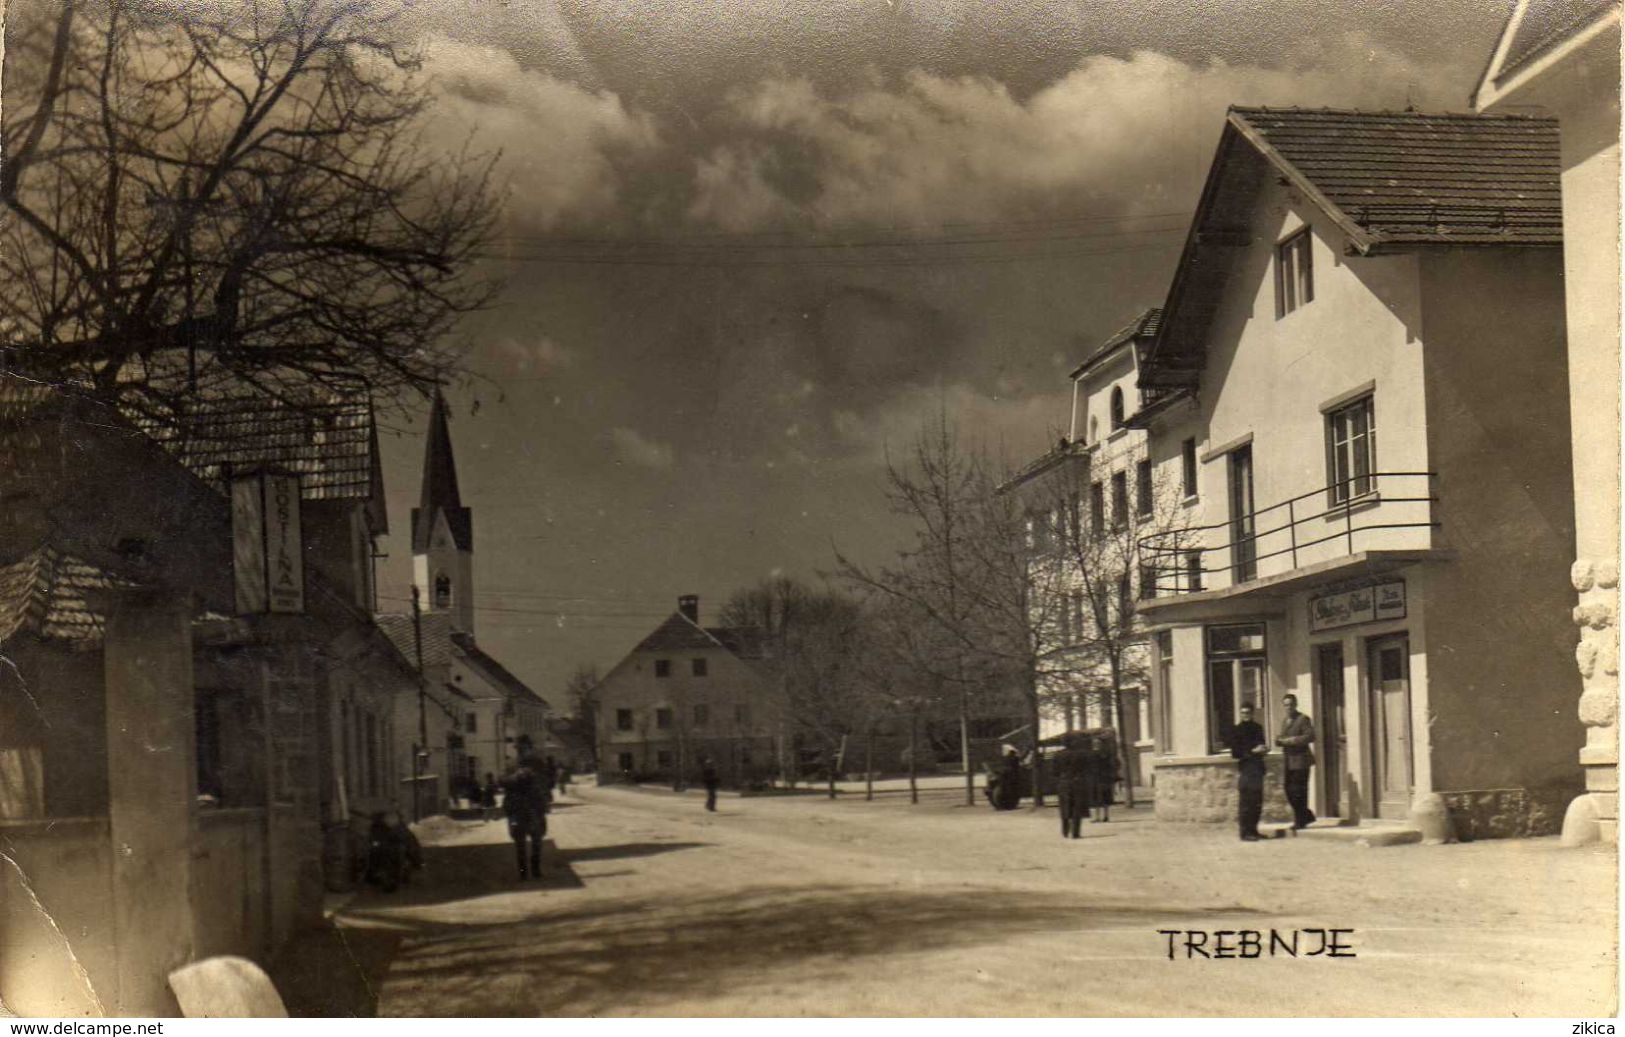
1379, 511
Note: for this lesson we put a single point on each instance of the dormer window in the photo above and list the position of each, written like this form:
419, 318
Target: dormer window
442, 591
1117, 407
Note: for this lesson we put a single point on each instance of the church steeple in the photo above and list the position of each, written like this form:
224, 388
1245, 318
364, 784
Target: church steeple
443, 530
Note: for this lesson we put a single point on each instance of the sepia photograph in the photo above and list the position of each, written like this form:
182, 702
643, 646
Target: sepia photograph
809, 508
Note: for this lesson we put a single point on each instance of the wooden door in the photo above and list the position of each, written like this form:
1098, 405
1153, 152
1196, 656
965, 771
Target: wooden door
1332, 734
1390, 699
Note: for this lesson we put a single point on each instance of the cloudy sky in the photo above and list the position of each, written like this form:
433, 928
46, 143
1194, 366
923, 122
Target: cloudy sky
750, 247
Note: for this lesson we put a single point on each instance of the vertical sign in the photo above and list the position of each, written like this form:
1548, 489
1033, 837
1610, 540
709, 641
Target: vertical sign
284, 569
267, 546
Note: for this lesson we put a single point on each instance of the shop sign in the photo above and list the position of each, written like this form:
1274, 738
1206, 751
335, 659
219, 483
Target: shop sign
1363, 605
267, 548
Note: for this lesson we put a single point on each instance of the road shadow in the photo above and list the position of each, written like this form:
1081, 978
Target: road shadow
621, 851
461, 872
595, 958
334, 970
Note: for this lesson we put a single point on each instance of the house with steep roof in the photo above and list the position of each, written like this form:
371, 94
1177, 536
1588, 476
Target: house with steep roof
1561, 58
121, 627
686, 692
473, 709
1364, 340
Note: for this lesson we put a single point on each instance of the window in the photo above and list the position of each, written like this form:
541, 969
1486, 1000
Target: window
1078, 614
624, 761
1193, 570
1294, 280
663, 719
1125, 599
1351, 451
742, 714
442, 591
1119, 500
702, 714
471, 723
662, 667
1148, 582
1187, 457
697, 667
623, 720
1097, 508
1142, 488
1165, 691
1235, 677
1117, 407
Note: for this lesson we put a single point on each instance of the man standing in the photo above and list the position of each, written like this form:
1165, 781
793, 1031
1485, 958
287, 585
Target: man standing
526, 791
1297, 735
1249, 746
708, 774
1071, 768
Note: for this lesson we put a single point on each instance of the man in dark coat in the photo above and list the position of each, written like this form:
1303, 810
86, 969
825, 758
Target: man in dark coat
1297, 735
1249, 746
1104, 762
1071, 771
708, 775
527, 789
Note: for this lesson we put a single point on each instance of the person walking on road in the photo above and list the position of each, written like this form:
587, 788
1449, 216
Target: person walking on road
526, 793
1104, 761
708, 775
1297, 735
1248, 746
1072, 775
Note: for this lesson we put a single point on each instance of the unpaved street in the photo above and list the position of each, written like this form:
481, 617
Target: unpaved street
800, 906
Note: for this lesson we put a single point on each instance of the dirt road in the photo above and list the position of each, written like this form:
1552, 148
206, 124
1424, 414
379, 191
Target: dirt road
800, 906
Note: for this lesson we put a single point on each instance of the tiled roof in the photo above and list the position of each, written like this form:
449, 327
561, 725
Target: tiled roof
1144, 326
330, 445
677, 634
1414, 178
436, 627
46, 594
493, 671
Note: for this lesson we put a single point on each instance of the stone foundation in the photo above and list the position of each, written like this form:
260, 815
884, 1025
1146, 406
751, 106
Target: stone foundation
1596, 814
1203, 789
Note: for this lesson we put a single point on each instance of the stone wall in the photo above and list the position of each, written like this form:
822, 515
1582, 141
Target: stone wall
1506, 813
1203, 789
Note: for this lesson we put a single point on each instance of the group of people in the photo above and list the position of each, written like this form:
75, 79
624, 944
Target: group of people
1086, 773
1249, 746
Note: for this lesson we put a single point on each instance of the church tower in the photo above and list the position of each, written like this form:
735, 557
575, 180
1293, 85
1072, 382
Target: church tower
443, 531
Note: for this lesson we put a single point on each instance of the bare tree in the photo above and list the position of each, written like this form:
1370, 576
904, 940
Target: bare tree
210, 198
944, 579
581, 698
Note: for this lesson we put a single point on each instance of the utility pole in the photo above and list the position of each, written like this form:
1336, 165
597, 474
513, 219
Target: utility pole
420, 750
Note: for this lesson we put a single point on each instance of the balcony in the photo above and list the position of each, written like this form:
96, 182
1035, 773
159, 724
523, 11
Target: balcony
1386, 517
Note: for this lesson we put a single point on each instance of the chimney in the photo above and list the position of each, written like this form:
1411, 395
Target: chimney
689, 605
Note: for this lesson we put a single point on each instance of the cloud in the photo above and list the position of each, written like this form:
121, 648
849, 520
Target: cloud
563, 145
632, 448
1115, 136
1008, 430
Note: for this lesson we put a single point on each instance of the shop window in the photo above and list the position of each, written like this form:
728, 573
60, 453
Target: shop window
1351, 451
1294, 277
1236, 677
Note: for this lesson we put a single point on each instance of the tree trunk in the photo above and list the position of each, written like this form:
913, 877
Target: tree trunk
964, 751
1038, 757
832, 763
1122, 731
869, 764
913, 758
